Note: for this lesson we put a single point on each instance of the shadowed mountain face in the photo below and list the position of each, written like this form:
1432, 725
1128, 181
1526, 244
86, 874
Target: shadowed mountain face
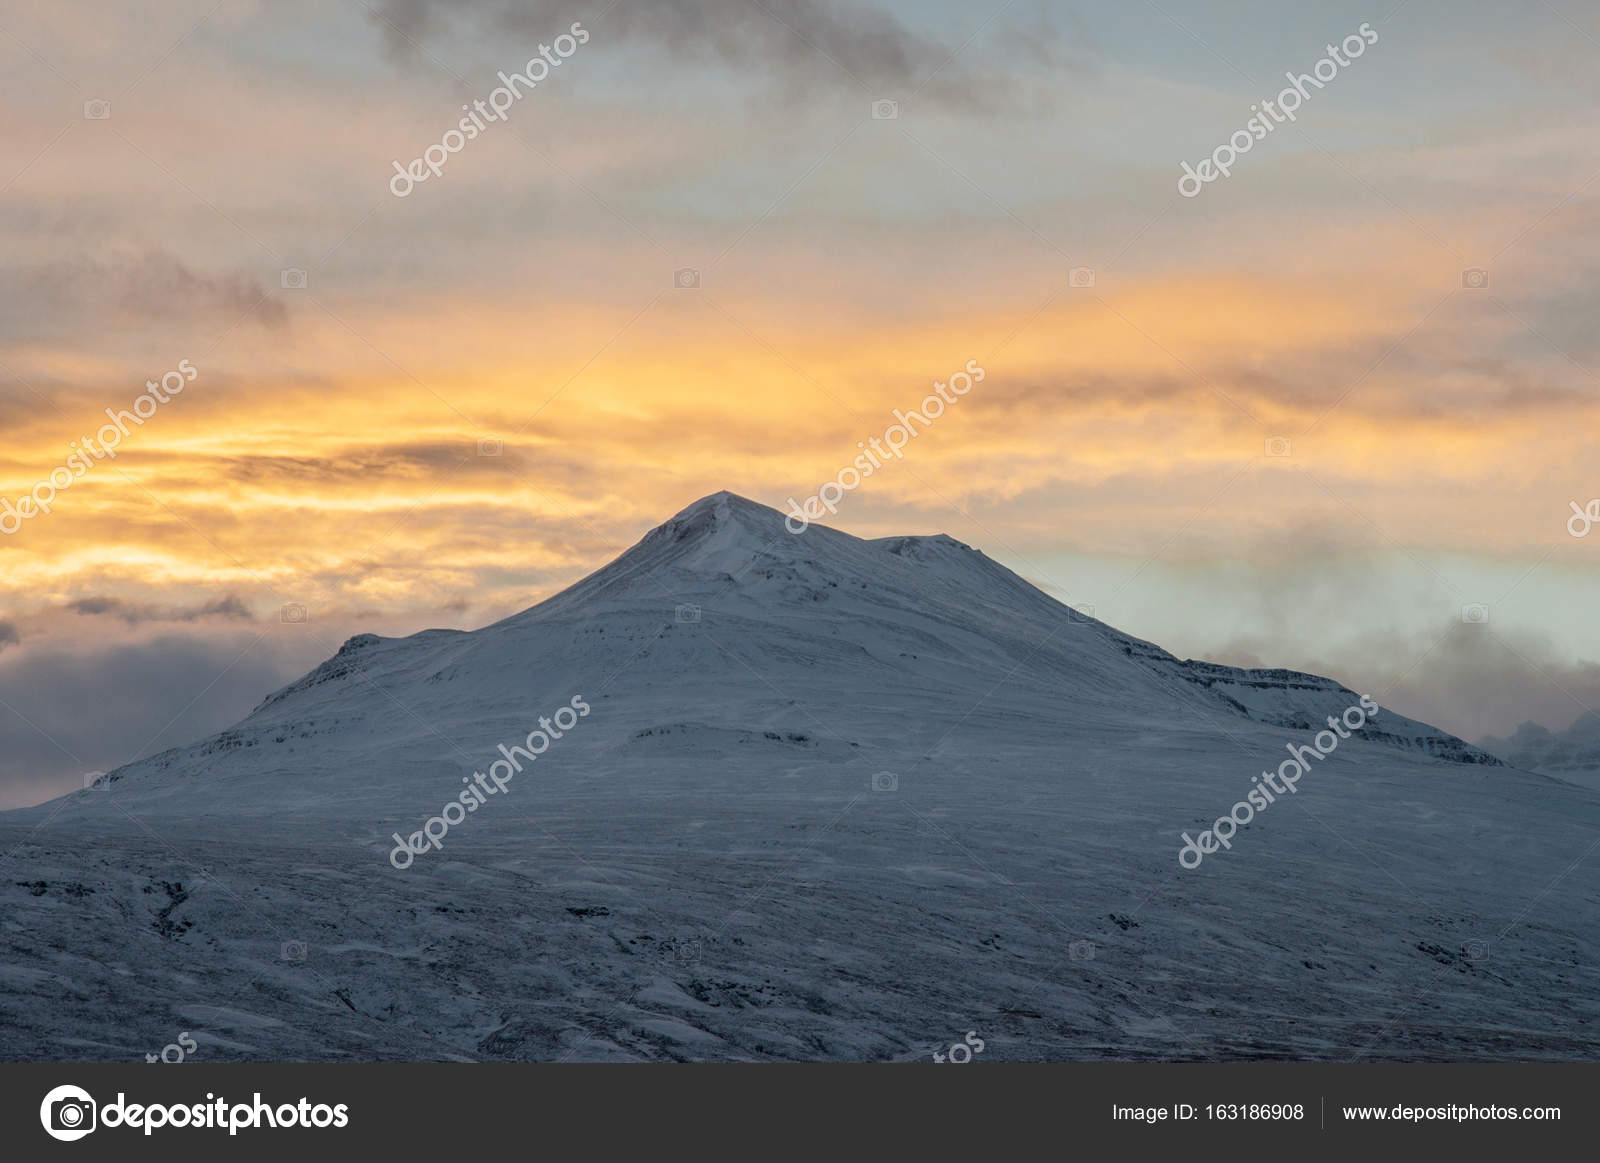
750, 794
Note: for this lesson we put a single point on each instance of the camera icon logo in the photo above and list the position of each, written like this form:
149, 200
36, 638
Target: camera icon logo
688, 613
885, 781
1277, 446
885, 110
961, 1052
292, 279
1081, 950
686, 279
68, 1113
686, 951
1475, 279
96, 110
490, 446
1476, 950
293, 951
1082, 613
1080, 277
96, 781
294, 614
1475, 615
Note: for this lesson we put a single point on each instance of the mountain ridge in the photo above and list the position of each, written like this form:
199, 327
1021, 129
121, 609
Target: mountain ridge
915, 613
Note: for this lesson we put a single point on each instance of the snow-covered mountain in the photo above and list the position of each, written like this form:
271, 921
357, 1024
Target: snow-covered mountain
896, 633
1572, 755
814, 797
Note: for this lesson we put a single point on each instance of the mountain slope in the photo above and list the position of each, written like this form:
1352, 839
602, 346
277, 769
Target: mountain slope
833, 799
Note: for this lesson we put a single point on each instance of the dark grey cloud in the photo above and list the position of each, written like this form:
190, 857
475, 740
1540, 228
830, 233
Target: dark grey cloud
511, 456
1318, 596
800, 42
145, 697
1471, 680
8, 634
134, 613
1486, 680
133, 288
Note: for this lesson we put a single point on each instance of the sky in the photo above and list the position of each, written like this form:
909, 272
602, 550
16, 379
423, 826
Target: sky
1332, 412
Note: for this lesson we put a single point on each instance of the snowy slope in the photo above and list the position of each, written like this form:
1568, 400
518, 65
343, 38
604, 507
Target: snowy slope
836, 798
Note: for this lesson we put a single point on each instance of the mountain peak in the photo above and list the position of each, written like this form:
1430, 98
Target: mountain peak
709, 543
724, 543
718, 532
719, 509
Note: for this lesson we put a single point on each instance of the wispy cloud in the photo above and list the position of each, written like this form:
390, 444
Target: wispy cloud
129, 289
811, 45
229, 608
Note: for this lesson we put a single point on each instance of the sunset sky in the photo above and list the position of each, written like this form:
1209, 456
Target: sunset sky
328, 453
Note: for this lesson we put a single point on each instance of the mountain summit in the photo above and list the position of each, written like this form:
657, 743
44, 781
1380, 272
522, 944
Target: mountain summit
725, 543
